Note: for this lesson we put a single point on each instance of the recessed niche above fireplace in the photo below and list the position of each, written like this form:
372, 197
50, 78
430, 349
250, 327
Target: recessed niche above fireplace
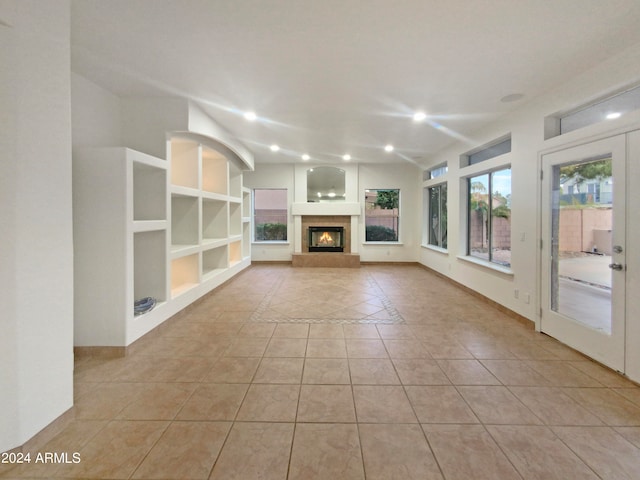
326, 239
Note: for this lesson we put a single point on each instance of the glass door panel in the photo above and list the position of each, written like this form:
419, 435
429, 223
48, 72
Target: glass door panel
583, 254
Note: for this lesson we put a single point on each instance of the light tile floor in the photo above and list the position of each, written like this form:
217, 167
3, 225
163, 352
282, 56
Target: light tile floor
382, 372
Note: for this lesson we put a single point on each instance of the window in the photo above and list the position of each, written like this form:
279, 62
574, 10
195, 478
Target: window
270, 215
435, 172
438, 216
382, 215
606, 109
489, 217
492, 150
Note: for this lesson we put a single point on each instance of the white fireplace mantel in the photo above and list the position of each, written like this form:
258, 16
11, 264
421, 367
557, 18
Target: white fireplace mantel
326, 208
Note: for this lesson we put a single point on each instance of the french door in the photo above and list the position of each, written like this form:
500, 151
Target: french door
583, 249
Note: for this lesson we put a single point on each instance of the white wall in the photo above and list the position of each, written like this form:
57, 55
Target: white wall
404, 177
273, 176
95, 115
526, 126
407, 178
36, 289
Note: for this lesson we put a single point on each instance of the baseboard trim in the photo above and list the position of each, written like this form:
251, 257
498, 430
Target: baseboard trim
47, 434
99, 352
498, 306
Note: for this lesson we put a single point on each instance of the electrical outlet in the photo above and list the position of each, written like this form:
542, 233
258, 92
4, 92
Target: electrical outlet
516, 293
527, 298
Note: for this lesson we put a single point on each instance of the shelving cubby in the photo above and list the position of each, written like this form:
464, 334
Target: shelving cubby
246, 240
150, 266
235, 252
184, 274
214, 171
235, 181
235, 218
184, 223
214, 262
214, 220
149, 189
246, 204
185, 163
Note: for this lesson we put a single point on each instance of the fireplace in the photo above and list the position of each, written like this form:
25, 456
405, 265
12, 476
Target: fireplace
326, 239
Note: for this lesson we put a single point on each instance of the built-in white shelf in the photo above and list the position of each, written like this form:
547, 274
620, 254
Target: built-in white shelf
120, 242
214, 196
184, 191
210, 243
148, 227
178, 251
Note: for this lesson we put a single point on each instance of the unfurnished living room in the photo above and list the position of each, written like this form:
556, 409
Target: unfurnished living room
320, 239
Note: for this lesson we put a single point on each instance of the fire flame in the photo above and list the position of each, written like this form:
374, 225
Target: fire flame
326, 239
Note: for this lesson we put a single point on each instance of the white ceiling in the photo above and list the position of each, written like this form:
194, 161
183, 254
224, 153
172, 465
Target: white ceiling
328, 77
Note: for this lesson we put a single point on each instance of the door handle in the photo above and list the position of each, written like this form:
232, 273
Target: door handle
616, 266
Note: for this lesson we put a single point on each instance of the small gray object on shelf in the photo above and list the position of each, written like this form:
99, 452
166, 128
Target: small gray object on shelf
143, 305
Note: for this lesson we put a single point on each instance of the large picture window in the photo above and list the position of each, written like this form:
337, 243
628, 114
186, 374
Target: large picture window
382, 215
270, 214
489, 217
438, 216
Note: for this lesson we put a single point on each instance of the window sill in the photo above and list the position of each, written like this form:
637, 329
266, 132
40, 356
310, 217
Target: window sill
270, 242
483, 263
399, 244
444, 251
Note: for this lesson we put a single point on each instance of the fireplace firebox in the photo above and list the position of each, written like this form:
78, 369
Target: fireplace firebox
326, 239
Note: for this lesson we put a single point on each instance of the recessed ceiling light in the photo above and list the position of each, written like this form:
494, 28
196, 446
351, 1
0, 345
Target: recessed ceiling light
319, 195
251, 116
331, 194
388, 148
274, 148
419, 116
305, 157
346, 156
613, 115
